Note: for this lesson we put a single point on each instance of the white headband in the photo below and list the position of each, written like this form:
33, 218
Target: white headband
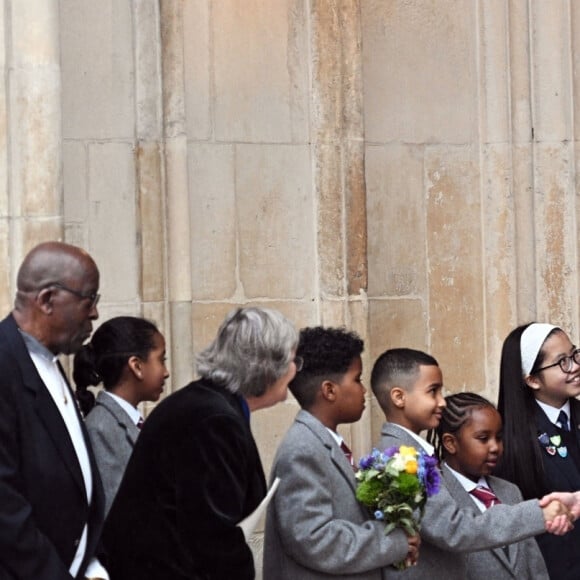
531, 342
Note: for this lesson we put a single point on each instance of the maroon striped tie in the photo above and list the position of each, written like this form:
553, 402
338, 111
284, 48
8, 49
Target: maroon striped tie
485, 496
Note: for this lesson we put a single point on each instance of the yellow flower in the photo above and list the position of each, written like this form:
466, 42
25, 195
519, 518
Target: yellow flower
407, 451
411, 466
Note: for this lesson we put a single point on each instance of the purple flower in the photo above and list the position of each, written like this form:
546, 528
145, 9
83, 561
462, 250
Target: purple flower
366, 462
428, 474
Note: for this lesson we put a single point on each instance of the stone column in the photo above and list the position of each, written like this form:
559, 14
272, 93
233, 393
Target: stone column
31, 135
338, 161
177, 195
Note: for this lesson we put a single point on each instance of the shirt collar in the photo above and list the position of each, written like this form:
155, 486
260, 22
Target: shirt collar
427, 447
553, 412
468, 484
336, 436
133, 413
34, 346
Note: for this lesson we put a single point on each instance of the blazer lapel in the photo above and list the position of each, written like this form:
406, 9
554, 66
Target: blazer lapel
336, 455
50, 416
120, 416
463, 499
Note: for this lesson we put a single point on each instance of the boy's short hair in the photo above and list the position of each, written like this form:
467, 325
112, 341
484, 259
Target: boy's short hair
397, 367
327, 354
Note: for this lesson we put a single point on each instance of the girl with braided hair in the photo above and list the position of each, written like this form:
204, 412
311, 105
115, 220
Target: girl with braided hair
127, 355
469, 443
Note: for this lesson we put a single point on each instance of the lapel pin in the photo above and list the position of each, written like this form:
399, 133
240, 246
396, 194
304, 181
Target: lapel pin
562, 451
556, 440
551, 450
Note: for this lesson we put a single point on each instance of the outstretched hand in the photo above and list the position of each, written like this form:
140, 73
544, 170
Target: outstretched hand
570, 499
557, 514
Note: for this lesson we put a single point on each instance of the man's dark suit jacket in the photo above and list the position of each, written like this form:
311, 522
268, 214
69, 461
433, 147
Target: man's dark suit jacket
193, 475
43, 502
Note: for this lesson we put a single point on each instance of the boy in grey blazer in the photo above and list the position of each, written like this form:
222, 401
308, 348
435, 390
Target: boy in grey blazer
408, 386
315, 527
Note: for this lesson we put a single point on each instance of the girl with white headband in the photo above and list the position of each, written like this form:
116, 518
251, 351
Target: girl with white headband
539, 380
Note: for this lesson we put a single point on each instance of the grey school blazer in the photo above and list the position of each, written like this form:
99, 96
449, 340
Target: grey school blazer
315, 527
448, 531
113, 435
525, 560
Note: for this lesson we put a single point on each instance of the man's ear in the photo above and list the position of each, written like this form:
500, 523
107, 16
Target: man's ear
449, 442
328, 390
398, 396
44, 300
135, 365
533, 382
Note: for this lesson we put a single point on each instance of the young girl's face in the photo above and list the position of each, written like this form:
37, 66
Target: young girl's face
476, 448
553, 386
154, 371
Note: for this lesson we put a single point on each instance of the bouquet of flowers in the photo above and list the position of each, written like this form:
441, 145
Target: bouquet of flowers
395, 484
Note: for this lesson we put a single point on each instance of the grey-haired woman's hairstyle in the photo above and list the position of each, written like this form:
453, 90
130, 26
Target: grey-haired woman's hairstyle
251, 351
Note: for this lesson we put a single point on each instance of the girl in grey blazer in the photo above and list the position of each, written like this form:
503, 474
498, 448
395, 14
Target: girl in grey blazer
127, 355
469, 440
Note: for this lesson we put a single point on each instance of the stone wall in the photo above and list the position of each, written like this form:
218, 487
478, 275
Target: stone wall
406, 168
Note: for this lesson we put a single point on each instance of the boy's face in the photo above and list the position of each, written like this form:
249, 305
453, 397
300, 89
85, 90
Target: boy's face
424, 402
477, 446
350, 395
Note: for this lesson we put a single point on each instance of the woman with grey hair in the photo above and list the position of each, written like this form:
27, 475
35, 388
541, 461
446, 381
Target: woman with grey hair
195, 472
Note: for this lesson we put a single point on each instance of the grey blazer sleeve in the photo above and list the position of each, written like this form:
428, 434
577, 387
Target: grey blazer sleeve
450, 527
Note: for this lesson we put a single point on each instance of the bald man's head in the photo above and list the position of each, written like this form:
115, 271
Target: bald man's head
49, 262
57, 295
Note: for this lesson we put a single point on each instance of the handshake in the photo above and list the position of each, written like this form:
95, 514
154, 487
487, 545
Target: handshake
560, 510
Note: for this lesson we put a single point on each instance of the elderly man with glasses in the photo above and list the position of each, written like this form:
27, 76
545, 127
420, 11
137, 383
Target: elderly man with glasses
51, 498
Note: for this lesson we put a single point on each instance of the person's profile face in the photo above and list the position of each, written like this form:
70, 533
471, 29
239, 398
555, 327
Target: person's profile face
73, 310
154, 371
350, 395
424, 401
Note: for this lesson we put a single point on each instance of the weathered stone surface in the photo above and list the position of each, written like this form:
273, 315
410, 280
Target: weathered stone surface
151, 226
556, 262
198, 69
148, 97
455, 258
112, 219
274, 210
8, 272
178, 231
213, 221
75, 181
35, 154
97, 69
260, 71
420, 83
551, 68
396, 323
396, 220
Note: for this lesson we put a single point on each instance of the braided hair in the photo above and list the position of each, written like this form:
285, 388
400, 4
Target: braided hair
457, 412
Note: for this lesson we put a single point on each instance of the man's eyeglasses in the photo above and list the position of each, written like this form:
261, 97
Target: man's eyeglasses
566, 363
93, 296
299, 362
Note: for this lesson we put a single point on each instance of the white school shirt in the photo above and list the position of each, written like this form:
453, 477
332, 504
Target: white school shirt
47, 366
